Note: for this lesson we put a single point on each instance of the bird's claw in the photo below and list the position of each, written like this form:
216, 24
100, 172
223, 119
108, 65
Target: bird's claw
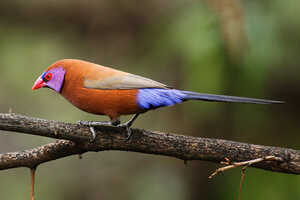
93, 133
94, 123
128, 130
89, 124
83, 123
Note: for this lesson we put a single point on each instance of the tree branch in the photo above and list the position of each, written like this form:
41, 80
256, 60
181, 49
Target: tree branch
113, 138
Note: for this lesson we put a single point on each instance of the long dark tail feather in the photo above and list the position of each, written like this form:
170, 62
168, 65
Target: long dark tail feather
224, 98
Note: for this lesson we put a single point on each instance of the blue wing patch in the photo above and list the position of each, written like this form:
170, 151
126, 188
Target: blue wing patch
151, 98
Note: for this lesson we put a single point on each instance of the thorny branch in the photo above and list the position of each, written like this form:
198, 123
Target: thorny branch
245, 164
149, 142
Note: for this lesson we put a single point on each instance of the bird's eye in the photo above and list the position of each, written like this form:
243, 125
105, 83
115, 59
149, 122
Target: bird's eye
47, 77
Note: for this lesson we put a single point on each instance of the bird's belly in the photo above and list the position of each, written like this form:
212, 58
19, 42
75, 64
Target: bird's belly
105, 102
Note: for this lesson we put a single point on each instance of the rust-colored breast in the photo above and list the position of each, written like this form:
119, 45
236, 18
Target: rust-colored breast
104, 102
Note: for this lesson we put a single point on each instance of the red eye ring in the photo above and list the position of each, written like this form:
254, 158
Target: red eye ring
48, 76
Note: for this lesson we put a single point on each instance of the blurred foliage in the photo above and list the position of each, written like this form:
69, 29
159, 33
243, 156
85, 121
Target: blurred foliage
184, 44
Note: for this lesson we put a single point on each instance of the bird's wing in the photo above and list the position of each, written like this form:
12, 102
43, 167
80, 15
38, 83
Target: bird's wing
122, 81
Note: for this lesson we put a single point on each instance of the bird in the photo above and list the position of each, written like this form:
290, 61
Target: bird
106, 91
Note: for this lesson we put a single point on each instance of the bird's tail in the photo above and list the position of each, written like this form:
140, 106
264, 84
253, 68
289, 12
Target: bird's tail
224, 98
151, 98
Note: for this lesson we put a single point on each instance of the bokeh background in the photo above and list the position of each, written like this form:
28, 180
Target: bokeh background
233, 47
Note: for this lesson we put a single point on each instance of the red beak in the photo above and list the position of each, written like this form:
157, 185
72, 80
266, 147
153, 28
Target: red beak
38, 84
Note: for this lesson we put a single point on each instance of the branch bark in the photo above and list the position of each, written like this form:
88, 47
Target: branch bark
77, 141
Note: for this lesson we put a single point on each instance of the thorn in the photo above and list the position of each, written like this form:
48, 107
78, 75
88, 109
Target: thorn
32, 173
244, 164
242, 180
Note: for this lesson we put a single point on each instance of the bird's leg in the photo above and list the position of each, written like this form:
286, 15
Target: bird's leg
128, 124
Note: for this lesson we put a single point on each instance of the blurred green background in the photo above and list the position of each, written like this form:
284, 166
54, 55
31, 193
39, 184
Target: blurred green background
241, 48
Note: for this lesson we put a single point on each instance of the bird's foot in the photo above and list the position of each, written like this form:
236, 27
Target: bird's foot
91, 126
129, 133
92, 123
127, 125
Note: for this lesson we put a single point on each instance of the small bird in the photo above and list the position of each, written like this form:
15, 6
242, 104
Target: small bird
106, 91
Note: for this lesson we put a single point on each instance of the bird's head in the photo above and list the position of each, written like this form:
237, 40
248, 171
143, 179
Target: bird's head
52, 78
